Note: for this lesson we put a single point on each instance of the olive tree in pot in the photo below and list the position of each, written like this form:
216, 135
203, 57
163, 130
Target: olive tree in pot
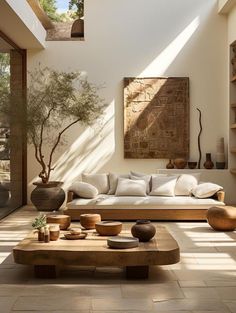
55, 102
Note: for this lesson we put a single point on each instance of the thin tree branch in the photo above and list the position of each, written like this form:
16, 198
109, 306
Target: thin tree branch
56, 144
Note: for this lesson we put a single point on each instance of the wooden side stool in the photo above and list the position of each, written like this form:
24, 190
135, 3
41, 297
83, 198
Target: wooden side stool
222, 218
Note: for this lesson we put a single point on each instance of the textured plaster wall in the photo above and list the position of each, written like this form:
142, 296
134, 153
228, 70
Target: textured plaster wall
143, 38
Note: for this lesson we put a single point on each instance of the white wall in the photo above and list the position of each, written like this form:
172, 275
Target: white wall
143, 38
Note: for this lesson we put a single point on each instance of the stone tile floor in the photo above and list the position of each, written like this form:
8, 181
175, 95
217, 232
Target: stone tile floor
204, 280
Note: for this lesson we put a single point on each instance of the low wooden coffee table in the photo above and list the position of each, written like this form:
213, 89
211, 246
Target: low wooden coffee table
93, 251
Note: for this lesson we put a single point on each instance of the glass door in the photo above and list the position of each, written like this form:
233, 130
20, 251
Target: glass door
12, 137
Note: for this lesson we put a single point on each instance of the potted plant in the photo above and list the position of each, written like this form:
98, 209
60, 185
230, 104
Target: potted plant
77, 29
55, 102
39, 223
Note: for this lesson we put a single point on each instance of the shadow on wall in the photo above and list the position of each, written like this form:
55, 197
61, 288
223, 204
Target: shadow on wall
92, 149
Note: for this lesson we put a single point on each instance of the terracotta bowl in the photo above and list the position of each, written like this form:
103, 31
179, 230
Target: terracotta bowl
108, 228
62, 220
88, 221
192, 165
180, 163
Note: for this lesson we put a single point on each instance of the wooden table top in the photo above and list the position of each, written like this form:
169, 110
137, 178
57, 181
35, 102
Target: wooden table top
93, 251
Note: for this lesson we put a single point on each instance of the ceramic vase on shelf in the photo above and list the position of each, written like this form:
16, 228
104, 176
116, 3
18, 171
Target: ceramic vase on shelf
144, 230
208, 163
170, 165
220, 154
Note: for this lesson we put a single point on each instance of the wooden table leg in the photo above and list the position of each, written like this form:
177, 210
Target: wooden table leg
137, 272
45, 271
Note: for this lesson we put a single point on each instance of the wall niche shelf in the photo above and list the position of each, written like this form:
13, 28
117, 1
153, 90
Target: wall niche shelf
233, 126
233, 171
233, 105
233, 150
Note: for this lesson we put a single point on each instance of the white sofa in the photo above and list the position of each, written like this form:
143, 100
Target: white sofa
157, 207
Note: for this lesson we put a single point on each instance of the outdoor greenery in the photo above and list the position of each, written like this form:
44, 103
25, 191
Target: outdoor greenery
78, 6
55, 101
75, 10
49, 6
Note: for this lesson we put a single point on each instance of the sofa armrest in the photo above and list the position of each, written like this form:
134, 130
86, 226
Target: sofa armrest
70, 196
220, 195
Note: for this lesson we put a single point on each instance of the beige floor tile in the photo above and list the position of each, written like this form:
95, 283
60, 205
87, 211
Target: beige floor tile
121, 304
190, 304
156, 292
6, 303
192, 283
231, 306
221, 283
105, 292
56, 303
227, 293
200, 293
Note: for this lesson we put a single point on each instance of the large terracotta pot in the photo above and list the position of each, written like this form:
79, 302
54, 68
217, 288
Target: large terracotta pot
48, 197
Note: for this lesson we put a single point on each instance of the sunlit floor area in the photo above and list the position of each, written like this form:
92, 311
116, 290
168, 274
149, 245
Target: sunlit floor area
204, 280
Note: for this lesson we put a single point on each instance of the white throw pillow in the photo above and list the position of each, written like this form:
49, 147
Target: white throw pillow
163, 186
205, 190
185, 183
113, 181
100, 181
129, 187
84, 190
146, 178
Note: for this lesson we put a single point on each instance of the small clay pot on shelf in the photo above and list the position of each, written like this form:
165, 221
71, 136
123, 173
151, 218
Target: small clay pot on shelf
208, 163
180, 163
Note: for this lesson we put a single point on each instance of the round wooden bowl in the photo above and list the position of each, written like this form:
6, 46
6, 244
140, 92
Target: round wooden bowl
222, 218
108, 228
88, 221
62, 220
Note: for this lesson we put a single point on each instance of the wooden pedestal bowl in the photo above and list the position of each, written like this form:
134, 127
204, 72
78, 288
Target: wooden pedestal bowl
88, 221
108, 228
62, 220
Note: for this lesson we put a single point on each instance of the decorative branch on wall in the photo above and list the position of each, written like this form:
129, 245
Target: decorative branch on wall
199, 138
156, 118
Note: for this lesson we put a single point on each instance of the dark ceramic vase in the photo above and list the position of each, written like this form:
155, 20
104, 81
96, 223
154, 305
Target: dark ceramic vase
143, 230
48, 197
208, 163
170, 165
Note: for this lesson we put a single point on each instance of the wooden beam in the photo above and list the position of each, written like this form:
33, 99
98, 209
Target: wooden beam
225, 6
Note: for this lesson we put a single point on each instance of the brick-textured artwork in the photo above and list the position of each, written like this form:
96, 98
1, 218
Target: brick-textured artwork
156, 118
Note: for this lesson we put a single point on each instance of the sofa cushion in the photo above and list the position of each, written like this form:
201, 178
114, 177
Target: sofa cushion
146, 178
100, 181
129, 187
185, 183
205, 190
113, 181
163, 186
129, 201
84, 190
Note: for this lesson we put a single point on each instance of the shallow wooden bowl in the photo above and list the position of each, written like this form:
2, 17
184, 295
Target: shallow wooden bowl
75, 237
108, 228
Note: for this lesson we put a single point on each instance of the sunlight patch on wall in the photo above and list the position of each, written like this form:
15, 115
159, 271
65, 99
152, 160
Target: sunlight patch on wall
169, 54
